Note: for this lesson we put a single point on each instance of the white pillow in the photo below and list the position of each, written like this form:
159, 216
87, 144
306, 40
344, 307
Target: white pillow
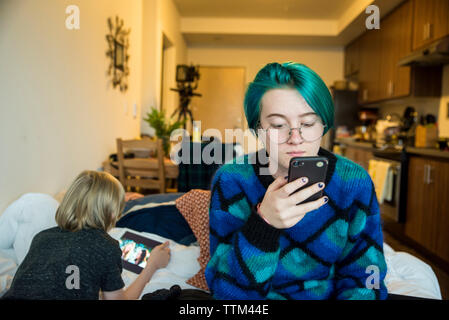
23, 219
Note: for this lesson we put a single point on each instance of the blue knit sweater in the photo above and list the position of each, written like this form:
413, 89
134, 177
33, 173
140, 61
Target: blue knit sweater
334, 252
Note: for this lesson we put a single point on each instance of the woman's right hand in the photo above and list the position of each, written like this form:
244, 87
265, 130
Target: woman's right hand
279, 206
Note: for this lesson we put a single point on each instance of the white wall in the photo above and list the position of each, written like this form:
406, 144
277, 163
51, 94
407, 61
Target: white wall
443, 113
58, 114
159, 17
327, 62
150, 59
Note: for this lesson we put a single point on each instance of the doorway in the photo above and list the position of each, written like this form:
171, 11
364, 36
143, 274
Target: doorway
169, 98
221, 105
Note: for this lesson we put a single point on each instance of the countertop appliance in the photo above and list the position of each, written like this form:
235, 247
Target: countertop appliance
387, 130
367, 131
406, 135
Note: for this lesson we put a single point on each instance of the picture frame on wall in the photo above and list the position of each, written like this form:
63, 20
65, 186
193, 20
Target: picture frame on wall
119, 56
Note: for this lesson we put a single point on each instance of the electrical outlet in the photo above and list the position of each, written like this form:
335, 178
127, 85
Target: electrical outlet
135, 110
447, 110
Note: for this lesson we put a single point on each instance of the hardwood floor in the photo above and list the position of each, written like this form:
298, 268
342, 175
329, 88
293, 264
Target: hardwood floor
442, 274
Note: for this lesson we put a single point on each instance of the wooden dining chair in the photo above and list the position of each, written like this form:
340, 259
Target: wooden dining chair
148, 173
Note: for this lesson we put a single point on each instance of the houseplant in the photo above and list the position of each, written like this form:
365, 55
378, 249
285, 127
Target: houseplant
163, 128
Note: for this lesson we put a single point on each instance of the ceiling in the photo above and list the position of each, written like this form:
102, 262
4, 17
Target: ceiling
276, 9
275, 22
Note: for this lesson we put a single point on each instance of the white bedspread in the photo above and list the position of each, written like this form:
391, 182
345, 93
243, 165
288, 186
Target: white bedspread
410, 276
34, 212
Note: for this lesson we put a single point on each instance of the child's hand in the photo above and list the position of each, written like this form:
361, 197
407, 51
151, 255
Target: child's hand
160, 256
132, 196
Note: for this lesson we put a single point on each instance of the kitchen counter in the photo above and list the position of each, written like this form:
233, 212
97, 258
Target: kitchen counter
430, 152
353, 143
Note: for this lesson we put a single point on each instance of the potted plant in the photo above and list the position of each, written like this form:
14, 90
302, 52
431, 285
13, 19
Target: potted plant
156, 119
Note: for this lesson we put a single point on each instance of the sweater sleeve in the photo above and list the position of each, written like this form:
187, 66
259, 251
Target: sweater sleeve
244, 249
361, 270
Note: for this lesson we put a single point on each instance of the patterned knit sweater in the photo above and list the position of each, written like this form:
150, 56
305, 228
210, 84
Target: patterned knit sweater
334, 252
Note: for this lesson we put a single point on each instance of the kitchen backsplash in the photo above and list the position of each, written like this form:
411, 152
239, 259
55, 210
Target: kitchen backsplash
436, 106
443, 115
422, 105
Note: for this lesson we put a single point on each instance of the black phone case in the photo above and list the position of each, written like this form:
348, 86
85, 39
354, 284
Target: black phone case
309, 168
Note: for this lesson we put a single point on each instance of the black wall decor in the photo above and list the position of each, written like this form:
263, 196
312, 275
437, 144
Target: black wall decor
118, 42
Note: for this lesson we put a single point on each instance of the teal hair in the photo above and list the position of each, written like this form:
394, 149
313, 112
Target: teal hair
289, 75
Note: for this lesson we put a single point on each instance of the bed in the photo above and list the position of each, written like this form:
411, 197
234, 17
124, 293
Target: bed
33, 212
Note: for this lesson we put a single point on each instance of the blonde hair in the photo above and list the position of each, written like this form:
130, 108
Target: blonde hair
94, 200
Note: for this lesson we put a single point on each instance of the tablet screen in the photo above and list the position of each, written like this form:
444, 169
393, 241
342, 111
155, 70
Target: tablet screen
135, 251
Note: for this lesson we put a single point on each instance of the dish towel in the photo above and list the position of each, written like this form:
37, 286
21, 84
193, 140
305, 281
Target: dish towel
382, 176
388, 190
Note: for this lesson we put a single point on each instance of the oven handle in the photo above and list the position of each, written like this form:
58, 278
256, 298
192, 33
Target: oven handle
428, 174
429, 179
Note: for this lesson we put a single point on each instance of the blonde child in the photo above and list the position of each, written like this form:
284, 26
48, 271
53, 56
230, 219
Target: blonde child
78, 259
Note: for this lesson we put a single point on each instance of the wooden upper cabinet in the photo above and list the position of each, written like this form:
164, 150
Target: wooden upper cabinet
370, 64
396, 35
352, 60
431, 21
387, 56
379, 51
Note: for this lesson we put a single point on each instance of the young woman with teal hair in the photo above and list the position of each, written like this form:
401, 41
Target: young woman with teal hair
265, 243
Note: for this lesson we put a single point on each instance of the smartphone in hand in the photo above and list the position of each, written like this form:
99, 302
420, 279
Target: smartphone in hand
314, 168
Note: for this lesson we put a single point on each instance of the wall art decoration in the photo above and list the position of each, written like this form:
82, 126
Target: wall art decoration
118, 42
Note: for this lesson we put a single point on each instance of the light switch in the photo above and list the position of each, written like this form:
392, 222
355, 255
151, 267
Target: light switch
135, 110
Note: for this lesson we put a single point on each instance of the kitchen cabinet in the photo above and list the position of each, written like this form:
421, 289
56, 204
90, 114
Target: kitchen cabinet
396, 33
431, 21
370, 65
359, 155
351, 153
352, 60
427, 217
379, 51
